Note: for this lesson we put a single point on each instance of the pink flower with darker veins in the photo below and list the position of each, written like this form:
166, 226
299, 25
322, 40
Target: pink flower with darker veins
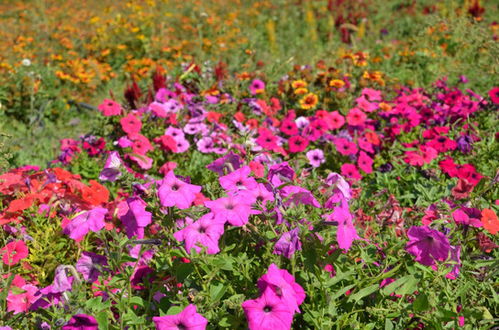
175, 192
204, 232
188, 319
238, 180
268, 312
233, 209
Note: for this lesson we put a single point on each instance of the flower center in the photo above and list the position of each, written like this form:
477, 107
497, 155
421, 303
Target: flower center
175, 187
267, 309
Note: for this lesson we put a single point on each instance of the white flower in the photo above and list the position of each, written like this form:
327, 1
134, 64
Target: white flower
26, 62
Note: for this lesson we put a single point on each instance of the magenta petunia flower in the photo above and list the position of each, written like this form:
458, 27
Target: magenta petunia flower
233, 209
188, 319
345, 147
284, 285
134, 216
297, 195
86, 221
356, 117
346, 232
268, 312
365, 162
204, 232
288, 244
238, 180
14, 252
175, 192
81, 322
297, 143
257, 87
427, 245
350, 171
316, 157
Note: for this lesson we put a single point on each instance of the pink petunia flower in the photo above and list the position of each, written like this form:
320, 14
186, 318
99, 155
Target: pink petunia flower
175, 192
284, 285
188, 319
14, 252
288, 244
238, 180
365, 162
267, 313
346, 232
233, 209
21, 302
110, 108
131, 124
316, 157
297, 143
350, 171
356, 117
206, 231
345, 147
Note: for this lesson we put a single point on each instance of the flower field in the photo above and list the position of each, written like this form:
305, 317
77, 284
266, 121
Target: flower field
249, 164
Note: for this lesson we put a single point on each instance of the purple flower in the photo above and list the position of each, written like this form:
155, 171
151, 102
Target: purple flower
288, 244
298, 195
61, 282
134, 216
427, 245
89, 265
175, 192
81, 322
315, 157
86, 221
280, 173
188, 319
111, 170
464, 144
221, 164
204, 232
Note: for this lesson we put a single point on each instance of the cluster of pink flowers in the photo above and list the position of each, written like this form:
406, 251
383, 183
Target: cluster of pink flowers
280, 298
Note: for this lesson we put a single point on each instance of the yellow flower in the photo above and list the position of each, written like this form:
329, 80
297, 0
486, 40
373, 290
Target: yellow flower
299, 84
336, 83
301, 91
309, 101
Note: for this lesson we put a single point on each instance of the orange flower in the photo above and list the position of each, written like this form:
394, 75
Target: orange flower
309, 101
336, 83
490, 221
299, 84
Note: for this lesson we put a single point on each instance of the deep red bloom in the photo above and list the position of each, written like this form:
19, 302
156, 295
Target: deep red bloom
494, 95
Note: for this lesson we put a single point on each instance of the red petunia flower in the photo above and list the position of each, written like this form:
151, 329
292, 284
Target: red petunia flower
14, 252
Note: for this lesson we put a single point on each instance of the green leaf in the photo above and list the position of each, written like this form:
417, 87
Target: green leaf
135, 300
217, 291
174, 310
363, 292
409, 286
183, 270
421, 303
102, 320
388, 324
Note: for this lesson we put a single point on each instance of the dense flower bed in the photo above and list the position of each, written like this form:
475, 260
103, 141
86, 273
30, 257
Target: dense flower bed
239, 202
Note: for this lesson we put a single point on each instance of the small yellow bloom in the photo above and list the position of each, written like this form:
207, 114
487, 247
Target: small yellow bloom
337, 83
309, 101
301, 91
299, 84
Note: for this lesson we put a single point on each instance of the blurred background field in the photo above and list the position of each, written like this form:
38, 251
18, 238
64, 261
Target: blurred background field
55, 54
